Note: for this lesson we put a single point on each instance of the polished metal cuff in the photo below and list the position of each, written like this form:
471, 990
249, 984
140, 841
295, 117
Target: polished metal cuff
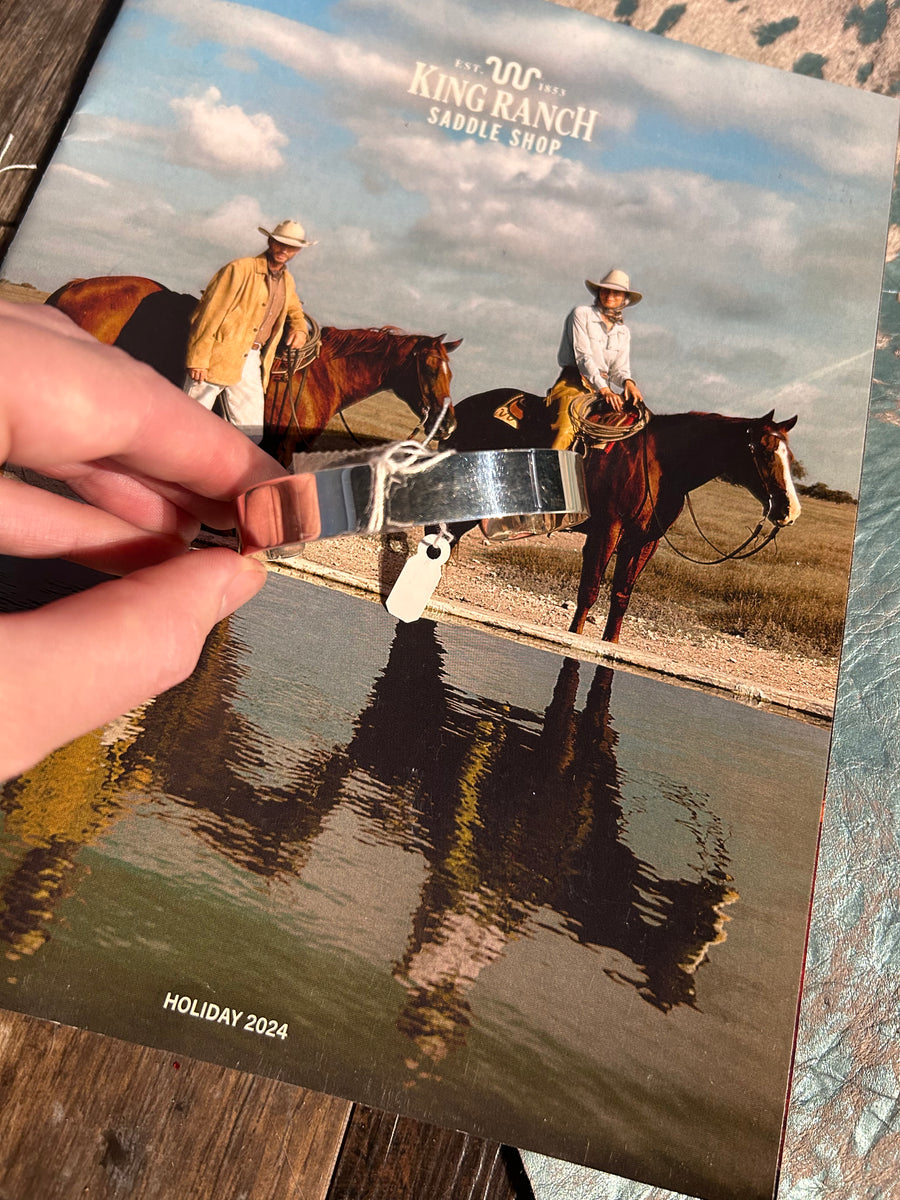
367, 497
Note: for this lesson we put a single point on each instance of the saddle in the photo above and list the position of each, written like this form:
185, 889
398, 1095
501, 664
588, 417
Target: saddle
512, 412
596, 424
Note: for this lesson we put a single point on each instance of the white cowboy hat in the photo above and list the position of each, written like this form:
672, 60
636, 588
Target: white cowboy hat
616, 281
291, 233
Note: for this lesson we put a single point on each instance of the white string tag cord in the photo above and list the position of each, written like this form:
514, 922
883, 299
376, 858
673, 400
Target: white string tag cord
397, 462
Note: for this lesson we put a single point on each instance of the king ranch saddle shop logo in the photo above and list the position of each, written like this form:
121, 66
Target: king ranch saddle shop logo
502, 102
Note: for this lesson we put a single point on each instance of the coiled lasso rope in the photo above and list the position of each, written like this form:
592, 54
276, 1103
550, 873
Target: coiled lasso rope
612, 428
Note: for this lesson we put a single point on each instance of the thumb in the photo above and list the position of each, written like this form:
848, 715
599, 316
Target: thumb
81, 661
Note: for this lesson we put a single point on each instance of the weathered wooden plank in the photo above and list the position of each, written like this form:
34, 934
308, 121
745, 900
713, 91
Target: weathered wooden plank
386, 1157
47, 50
91, 1115
88, 1115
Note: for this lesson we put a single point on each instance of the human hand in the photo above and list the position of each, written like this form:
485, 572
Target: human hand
613, 399
295, 339
198, 374
632, 392
151, 465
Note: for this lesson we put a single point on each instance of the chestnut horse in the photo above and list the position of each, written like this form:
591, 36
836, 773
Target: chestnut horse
151, 323
637, 487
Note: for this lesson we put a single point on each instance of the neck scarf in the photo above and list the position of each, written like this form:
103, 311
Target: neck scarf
612, 314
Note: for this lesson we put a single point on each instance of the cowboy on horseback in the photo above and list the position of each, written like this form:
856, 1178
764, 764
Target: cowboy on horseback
594, 355
238, 324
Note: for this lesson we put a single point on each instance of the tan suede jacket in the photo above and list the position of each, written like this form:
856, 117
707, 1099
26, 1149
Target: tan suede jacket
224, 324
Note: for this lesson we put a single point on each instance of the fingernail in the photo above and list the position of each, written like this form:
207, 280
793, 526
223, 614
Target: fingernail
244, 584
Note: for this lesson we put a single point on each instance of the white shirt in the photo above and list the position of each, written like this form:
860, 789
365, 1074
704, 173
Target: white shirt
603, 356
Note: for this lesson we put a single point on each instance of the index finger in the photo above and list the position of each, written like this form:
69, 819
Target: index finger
65, 399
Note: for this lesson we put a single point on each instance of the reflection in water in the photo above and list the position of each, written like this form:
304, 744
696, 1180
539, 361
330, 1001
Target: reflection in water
193, 744
60, 805
515, 812
241, 786
512, 812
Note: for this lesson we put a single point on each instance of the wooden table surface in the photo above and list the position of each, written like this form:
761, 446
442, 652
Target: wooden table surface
87, 1115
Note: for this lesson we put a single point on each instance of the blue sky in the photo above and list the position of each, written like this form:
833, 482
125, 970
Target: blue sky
749, 205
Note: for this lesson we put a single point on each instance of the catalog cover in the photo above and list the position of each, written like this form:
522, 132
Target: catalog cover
443, 867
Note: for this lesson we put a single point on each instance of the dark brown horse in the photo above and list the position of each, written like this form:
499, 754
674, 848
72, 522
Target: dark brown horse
637, 487
151, 323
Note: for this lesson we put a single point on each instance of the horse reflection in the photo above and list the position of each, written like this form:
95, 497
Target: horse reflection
241, 792
246, 794
63, 803
516, 812
52, 811
670, 923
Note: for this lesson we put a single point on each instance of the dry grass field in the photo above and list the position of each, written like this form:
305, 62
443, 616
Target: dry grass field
21, 293
790, 597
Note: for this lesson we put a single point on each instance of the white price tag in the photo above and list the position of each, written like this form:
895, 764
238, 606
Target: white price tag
420, 576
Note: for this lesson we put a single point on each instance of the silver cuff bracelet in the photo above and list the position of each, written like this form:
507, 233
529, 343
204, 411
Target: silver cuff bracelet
399, 488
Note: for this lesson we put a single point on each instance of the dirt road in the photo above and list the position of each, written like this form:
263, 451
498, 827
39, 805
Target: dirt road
475, 580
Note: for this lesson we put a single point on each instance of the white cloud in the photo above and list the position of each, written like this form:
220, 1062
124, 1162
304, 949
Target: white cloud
313, 52
233, 223
353, 241
82, 176
616, 67
93, 127
537, 217
238, 60
222, 138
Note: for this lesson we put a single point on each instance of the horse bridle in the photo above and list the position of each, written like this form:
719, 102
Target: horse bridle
739, 552
438, 420
420, 424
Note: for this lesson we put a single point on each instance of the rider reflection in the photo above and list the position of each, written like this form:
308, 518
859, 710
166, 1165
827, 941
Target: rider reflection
517, 811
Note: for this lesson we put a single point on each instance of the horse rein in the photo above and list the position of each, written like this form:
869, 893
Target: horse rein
740, 552
299, 360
